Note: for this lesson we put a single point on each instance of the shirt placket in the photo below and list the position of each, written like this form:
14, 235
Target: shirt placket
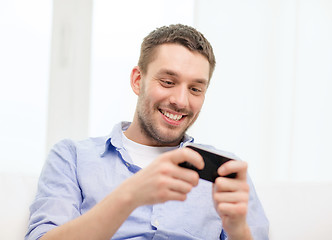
157, 222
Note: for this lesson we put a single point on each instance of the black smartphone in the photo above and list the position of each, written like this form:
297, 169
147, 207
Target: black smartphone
212, 160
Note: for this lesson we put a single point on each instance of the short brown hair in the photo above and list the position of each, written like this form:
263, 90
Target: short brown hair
184, 35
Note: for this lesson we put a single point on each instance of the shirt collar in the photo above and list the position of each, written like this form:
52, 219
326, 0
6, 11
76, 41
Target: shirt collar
115, 137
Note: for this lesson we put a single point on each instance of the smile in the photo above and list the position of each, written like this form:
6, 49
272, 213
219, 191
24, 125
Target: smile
174, 117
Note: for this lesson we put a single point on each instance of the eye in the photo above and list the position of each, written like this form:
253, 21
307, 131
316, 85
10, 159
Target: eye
196, 90
166, 83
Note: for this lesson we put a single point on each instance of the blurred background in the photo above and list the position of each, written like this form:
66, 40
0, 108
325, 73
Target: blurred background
65, 67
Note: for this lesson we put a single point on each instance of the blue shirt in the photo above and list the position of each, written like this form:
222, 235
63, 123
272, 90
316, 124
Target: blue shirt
78, 175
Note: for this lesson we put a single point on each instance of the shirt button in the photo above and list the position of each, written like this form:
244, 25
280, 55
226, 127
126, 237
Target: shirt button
156, 223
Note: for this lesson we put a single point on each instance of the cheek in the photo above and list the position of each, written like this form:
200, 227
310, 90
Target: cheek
157, 95
150, 101
196, 104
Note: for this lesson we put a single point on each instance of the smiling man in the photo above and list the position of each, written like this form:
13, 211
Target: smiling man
129, 185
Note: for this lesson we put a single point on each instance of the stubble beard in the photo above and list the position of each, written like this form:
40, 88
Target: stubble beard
150, 130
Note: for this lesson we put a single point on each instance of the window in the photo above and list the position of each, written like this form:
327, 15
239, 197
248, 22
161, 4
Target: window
24, 60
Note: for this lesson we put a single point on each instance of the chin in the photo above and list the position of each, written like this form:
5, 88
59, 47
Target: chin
171, 138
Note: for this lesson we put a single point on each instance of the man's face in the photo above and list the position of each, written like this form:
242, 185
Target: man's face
171, 94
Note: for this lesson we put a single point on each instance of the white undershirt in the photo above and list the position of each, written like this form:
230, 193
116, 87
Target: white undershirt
143, 155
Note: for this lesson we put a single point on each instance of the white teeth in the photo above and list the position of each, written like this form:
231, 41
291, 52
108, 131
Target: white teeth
172, 116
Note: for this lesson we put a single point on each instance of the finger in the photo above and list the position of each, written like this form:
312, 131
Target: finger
230, 197
170, 169
180, 186
171, 189
232, 210
234, 166
167, 182
223, 184
175, 196
187, 155
167, 195
186, 175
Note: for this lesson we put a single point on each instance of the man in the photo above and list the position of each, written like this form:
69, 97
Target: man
129, 185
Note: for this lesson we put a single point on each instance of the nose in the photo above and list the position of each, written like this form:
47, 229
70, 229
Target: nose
180, 97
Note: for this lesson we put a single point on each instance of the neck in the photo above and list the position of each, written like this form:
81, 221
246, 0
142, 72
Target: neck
134, 134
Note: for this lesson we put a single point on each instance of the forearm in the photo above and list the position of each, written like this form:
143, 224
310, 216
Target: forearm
101, 222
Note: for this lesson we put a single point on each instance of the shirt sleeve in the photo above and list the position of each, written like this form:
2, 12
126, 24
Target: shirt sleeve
59, 197
256, 218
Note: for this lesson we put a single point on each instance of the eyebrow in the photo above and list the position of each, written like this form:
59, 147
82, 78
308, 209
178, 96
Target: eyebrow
174, 74
167, 72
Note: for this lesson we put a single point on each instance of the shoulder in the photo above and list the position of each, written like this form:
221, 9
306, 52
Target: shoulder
74, 145
72, 149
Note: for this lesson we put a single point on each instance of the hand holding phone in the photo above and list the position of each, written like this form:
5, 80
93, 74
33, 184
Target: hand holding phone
212, 160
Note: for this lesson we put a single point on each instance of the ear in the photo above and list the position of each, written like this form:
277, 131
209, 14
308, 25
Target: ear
135, 80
